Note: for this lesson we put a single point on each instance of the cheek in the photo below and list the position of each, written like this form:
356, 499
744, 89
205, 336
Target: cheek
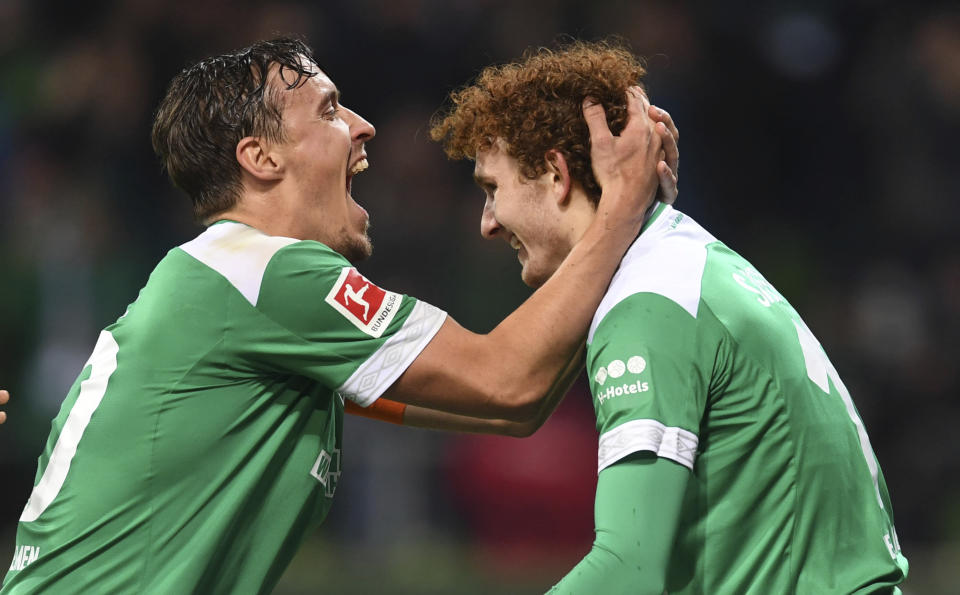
328, 152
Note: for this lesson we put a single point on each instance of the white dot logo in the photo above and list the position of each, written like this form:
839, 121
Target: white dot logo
636, 364
616, 368
601, 376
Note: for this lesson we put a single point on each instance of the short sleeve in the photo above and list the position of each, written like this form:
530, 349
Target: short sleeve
326, 321
649, 367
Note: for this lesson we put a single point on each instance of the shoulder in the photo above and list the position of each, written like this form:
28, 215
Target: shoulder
245, 256
666, 261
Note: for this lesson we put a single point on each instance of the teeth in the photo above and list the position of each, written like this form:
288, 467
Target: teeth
359, 166
514, 243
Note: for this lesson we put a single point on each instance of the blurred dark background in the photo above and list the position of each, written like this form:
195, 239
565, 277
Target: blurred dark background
819, 139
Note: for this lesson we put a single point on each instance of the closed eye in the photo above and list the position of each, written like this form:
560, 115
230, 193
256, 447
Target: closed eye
329, 106
331, 112
485, 184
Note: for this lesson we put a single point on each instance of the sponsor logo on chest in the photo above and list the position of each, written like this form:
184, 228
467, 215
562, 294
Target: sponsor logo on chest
615, 370
365, 305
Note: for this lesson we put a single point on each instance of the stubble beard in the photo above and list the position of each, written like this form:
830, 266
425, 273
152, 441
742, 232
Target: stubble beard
355, 248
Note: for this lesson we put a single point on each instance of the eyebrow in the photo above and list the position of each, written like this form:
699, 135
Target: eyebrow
329, 98
482, 180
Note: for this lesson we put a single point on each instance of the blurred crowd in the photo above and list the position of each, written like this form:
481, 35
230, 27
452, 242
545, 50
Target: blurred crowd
818, 140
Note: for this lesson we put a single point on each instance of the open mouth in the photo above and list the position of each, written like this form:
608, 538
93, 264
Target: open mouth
517, 245
357, 168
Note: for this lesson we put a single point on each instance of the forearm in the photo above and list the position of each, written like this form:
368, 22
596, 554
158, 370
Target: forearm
637, 512
533, 344
506, 373
422, 417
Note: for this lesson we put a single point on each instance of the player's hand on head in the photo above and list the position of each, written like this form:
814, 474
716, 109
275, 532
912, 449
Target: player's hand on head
4, 397
626, 165
669, 166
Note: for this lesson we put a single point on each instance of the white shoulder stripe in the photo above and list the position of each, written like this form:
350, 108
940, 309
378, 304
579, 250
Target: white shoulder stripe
639, 435
238, 252
381, 369
667, 259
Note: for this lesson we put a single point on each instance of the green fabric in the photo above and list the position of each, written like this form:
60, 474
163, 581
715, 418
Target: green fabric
207, 424
695, 357
637, 511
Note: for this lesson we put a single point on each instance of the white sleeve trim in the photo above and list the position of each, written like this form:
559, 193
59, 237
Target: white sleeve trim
385, 365
676, 444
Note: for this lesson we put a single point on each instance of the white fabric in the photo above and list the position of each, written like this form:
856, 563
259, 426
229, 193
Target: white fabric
676, 444
667, 259
238, 252
385, 365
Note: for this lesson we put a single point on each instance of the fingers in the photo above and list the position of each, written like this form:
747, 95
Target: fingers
596, 119
637, 107
671, 152
661, 115
669, 136
4, 397
668, 190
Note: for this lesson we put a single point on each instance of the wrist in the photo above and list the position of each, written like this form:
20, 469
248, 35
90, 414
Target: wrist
620, 207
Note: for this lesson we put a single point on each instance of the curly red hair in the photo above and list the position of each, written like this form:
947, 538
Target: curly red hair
535, 106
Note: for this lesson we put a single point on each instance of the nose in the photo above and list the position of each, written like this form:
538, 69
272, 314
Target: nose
360, 129
489, 226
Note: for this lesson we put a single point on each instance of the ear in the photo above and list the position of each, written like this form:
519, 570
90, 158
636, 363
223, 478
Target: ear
257, 160
557, 168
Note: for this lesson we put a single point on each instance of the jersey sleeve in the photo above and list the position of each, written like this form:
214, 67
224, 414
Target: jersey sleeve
649, 367
635, 497
326, 321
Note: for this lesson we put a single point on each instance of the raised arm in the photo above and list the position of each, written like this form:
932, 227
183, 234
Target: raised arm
506, 373
421, 417
399, 413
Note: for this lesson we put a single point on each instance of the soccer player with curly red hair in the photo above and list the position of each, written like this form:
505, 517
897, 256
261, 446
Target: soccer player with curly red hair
731, 458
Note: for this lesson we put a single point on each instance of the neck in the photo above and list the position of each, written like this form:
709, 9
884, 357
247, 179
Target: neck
265, 213
580, 212
583, 222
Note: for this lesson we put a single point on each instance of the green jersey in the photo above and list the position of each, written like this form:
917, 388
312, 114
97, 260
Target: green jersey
694, 356
201, 442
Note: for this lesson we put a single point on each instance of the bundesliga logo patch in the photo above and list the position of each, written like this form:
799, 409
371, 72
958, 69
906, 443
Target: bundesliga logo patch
361, 302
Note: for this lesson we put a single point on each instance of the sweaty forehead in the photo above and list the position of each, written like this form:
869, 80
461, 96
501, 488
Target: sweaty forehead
284, 76
310, 90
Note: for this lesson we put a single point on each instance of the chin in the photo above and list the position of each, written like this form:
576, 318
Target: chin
355, 249
359, 251
532, 279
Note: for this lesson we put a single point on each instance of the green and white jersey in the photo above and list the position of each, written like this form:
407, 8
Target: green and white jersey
694, 356
201, 442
